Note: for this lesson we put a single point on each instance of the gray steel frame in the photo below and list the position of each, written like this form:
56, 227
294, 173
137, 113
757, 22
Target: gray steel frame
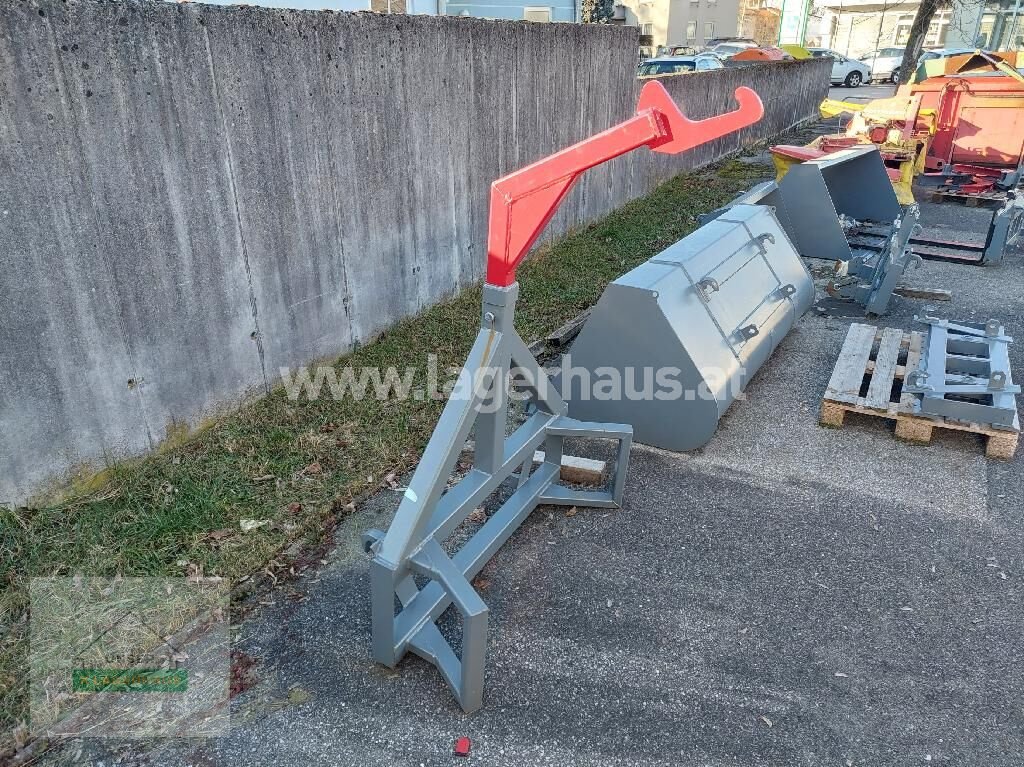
1006, 226
873, 277
428, 514
964, 374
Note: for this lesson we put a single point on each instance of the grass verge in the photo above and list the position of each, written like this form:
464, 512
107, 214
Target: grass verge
294, 466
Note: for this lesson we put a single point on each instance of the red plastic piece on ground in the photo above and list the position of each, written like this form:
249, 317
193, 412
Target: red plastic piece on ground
462, 746
523, 202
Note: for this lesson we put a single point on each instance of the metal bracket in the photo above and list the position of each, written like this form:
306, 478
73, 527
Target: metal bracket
747, 332
878, 275
706, 287
760, 241
916, 380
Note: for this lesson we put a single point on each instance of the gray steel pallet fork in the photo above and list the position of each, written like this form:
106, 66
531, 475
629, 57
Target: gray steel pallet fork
521, 206
1003, 234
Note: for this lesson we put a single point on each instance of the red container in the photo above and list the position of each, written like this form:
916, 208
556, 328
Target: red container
979, 119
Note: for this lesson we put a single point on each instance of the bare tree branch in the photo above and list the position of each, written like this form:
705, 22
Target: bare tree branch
918, 30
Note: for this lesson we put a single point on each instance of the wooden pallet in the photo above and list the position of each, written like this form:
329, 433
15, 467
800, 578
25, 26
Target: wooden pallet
995, 199
868, 379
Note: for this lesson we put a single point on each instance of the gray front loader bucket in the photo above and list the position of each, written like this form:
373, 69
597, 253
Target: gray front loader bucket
815, 197
683, 333
820, 201
822, 194
857, 183
766, 193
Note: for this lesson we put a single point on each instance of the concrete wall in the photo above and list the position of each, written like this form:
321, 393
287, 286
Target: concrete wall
192, 197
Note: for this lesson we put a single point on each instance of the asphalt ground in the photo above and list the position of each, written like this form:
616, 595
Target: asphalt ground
786, 595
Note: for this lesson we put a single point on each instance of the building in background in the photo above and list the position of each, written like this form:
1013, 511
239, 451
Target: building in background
760, 20
695, 22
851, 27
997, 26
547, 10
857, 27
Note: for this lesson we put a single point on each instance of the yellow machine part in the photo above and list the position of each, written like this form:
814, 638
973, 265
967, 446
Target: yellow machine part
782, 165
834, 107
881, 112
904, 186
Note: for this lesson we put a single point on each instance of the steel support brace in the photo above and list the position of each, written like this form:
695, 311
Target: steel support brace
1005, 229
871, 279
964, 374
429, 512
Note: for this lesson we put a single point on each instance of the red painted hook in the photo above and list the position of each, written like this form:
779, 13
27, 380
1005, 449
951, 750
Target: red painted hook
523, 202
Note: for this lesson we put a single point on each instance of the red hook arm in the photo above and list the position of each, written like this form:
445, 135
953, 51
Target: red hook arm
522, 203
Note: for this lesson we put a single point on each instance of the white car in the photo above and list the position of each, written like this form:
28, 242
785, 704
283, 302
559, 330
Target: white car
675, 65
728, 50
885, 64
845, 71
943, 53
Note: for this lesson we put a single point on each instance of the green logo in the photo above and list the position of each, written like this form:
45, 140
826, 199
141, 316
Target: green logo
129, 680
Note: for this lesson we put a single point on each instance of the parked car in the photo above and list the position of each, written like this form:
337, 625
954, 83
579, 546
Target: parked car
715, 41
727, 50
943, 53
679, 50
674, 65
885, 64
845, 71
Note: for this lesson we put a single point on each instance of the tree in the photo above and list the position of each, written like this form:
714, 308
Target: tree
596, 11
918, 30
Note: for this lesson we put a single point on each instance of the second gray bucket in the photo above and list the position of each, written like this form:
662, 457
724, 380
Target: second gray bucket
671, 344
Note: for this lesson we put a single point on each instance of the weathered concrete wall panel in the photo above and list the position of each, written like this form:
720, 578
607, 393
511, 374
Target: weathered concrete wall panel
192, 197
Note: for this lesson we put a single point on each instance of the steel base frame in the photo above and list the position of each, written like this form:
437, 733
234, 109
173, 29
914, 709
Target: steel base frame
430, 512
871, 279
964, 374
